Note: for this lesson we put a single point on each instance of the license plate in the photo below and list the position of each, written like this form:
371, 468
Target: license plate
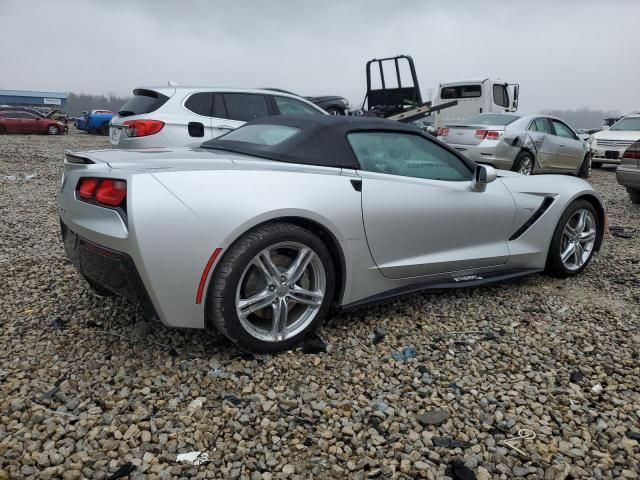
612, 154
115, 135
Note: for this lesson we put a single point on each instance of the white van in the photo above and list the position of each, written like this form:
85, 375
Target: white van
473, 97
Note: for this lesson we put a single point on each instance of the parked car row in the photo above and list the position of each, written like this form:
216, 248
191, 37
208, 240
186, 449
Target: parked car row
23, 120
95, 121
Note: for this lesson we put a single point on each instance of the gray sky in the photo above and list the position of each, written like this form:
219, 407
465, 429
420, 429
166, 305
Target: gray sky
564, 54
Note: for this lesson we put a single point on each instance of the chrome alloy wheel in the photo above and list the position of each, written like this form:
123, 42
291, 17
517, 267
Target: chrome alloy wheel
525, 166
578, 239
281, 291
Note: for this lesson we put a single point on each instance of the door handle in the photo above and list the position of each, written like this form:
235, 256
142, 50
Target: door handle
562, 145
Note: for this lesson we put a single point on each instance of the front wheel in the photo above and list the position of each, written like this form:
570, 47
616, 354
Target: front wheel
596, 164
53, 130
574, 240
272, 288
634, 195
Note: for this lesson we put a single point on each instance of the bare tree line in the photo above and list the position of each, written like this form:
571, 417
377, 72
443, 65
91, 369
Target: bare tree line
80, 102
582, 117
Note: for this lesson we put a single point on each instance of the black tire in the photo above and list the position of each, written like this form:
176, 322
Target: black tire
554, 266
221, 295
104, 128
53, 130
335, 111
634, 195
522, 159
2, 130
585, 168
596, 164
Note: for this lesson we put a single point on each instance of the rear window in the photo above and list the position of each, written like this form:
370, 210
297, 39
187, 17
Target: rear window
490, 119
143, 101
261, 134
461, 91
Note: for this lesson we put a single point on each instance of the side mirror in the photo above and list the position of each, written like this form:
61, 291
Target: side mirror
606, 127
484, 174
516, 91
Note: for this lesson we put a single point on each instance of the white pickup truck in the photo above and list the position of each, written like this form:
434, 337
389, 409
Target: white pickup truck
473, 97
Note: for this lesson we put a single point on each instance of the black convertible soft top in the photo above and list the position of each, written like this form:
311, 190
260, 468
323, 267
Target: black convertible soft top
322, 139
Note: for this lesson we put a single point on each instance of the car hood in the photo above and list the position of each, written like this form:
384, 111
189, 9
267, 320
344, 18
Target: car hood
617, 135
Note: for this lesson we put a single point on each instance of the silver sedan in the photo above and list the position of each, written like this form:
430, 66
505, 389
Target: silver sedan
526, 144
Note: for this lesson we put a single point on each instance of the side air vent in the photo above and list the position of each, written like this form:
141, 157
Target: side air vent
544, 206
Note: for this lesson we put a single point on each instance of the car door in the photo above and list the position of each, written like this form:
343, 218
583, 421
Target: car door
542, 134
570, 147
238, 109
420, 216
199, 106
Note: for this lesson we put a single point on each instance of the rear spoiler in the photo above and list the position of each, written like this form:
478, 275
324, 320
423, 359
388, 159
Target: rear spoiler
72, 157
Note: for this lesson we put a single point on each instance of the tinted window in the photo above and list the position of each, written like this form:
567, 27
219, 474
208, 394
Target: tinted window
562, 130
143, 101
461, 91
490, 119
245, 106
540, 125
291, 106
200, 103
629, 123
261, 134
407, 155
500, 96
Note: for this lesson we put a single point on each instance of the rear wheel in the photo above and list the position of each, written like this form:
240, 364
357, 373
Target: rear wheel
574, 240
524, 163
2, 130
634, 195
53, 130
585, 168
272, 288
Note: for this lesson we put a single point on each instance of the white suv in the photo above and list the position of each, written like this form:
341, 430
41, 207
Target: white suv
188, 116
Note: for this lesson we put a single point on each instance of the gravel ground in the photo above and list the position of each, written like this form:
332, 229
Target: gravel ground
87, 387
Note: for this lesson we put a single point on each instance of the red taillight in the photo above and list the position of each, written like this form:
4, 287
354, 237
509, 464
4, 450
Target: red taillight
633, 152
103, 191
443, 131
111, 192
488, 134
143, 128
87, 187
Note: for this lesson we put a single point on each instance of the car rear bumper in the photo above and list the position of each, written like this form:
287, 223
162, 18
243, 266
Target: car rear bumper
487, 155
628, 177
112, 270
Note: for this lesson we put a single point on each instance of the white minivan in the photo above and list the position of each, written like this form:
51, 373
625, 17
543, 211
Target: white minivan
474, 97
188, 116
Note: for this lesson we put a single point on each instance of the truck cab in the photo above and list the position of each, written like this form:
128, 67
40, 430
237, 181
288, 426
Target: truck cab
473, 97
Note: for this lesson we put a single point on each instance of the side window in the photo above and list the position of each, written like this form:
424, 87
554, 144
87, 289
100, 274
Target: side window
399, 153
500, 96
200, 103
461, 91
291, 106
245, 106
562, 130
540, 125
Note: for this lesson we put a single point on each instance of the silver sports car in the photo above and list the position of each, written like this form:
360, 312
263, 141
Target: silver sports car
526, 144
261, 232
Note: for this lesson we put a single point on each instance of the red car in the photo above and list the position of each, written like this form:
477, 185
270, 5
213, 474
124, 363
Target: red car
27, 122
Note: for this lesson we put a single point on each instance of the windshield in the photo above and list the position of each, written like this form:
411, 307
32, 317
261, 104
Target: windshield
261, 134
629, 124
490, 119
